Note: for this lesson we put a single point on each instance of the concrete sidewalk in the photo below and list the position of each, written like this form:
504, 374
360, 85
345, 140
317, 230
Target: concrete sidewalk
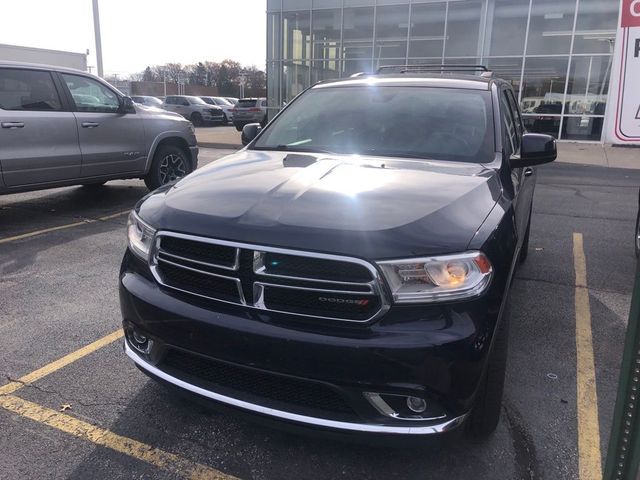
568, 152
598, 154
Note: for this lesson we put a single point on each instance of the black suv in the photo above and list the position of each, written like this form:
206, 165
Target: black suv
349, 270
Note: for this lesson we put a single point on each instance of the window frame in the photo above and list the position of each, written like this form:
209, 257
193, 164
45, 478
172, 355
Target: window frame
510, 137
62, 97
72, 103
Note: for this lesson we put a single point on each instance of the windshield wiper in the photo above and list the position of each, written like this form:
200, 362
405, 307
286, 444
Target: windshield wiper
383, 153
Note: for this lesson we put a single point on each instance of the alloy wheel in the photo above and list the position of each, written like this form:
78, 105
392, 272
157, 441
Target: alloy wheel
172, 167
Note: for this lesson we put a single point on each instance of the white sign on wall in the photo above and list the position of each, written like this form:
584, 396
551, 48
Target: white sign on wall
623, 117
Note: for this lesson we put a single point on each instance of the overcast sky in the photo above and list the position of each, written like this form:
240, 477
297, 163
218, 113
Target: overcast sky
137, 33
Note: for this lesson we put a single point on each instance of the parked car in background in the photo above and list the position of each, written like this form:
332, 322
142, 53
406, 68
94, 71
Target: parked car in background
67, 127
250, 110
194, 109
147, 100
232, 100
355, 275
224, 104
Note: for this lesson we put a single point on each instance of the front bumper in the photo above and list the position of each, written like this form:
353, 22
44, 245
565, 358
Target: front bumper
435, 428
437, 353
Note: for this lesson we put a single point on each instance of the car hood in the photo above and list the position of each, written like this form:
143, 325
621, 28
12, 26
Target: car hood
157, 112
368, 207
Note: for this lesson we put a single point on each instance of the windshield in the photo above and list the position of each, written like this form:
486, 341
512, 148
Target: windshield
222, 102
196, 101
415, 122
208, 100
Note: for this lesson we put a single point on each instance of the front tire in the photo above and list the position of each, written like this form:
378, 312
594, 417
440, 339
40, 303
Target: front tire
485, 415
169, 163
197, 120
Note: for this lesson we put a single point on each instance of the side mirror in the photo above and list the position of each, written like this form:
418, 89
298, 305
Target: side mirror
536, 149
249, 132
126, 105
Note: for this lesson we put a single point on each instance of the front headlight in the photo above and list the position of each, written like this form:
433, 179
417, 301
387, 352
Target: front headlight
140, 236
191, 128
445, 278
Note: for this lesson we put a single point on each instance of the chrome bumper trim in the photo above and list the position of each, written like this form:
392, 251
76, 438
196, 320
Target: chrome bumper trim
313, 421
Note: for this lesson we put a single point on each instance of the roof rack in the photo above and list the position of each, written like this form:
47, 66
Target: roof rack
484, 71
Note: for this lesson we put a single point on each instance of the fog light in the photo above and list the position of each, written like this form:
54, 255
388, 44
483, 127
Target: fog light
140, 342
139, 338
416, 404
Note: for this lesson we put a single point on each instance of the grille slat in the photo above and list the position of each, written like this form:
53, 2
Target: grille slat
296, 283
255, 383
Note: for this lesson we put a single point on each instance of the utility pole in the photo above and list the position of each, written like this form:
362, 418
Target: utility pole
96, 28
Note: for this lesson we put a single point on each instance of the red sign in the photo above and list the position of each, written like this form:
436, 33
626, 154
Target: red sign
630, 13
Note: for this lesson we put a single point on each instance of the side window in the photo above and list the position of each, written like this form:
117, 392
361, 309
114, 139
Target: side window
185, 102
264, 103
170, 101
31, 90
509, 124
516, 112
91, 96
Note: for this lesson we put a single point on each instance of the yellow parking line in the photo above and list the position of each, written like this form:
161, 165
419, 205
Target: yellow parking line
166, 461
11, 387
589, 457
61, 227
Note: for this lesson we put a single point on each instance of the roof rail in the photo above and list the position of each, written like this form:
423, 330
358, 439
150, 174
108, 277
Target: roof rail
484, 71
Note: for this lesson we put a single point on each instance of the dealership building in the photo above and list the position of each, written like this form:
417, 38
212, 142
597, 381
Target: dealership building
558, 54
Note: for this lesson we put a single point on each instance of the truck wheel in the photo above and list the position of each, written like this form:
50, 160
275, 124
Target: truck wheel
196, 119
238, 127
485, 415
169, 163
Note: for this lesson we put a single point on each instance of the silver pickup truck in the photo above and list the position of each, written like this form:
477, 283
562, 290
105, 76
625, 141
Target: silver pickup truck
60, 127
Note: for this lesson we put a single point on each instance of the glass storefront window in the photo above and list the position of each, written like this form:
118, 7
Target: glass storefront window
543, 85
506, 27
596, 26
274, 5
427, 30
357, 39
582, 128
356, 66
324, 70
588, 85
295, 78
273, 36
392, 25
296, 4
508, 68
318, 4
542, 93
296, 41
273, 88
326, 33
550, 27
463, 28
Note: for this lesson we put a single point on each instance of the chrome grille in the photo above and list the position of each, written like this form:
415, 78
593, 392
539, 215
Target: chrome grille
274, 279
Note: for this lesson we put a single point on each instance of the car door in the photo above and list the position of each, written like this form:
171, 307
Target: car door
112, 142
523, 178
38, 134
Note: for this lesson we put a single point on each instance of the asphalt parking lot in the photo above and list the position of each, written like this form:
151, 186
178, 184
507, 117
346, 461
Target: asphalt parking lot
60, 252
